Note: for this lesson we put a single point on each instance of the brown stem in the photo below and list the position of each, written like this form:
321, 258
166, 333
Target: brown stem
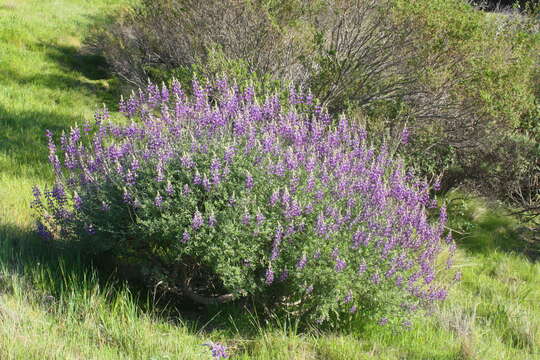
214, 300
205, 300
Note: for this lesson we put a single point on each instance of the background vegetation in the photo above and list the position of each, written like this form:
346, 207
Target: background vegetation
53, 304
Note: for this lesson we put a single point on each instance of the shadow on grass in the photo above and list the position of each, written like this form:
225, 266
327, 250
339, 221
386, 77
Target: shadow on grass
93, 68
23, 131
24, 141
24, 253
492, 230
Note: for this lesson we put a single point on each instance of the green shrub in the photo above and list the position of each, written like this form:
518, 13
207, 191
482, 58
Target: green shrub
220, 197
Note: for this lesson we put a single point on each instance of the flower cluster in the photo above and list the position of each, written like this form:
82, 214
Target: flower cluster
219, 351
273, 198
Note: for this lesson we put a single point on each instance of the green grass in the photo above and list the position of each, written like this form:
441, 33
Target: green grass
53, 305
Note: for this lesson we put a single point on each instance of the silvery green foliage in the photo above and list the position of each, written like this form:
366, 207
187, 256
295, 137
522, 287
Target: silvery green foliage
273, 200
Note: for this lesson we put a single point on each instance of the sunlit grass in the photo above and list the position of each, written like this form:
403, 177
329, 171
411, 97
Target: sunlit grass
53, 305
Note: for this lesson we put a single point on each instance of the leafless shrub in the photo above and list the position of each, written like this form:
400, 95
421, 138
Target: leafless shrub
366, 56
171, 34
513, 175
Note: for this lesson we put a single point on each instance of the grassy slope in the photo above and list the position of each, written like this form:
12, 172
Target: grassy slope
52, 306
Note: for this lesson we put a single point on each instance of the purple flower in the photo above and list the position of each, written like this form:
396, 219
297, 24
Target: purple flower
77, 201
246, 219
159, 171
320, 227
212, 221
340, 265
302, 262
376, 278
277, 241
37, 195
260, 219
169, 189
197, 220
185, 237
186, 190
274, 198
383, 321
269, 279
158, 201
405, 135
362, 268
207, 185
219, 351
42, 231
187, 162
353, 309
127, 197
229, 154
249, 182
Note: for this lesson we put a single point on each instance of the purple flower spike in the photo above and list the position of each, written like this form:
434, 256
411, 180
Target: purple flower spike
158, 201
269, 279
249, 182
197, 221
169, 189
302, 262
405, 135
219, 351
42, 231
260, 219
340, 265
186, 190
246, 219
185, 237
77, 201
362, 268
127, 197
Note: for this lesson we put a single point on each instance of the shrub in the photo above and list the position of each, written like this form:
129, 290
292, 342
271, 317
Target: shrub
222, 197
167, 37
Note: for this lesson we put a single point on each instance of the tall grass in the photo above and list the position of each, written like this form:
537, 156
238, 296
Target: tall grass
54, 305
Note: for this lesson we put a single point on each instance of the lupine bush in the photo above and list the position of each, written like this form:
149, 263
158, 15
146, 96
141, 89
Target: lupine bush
222, 197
